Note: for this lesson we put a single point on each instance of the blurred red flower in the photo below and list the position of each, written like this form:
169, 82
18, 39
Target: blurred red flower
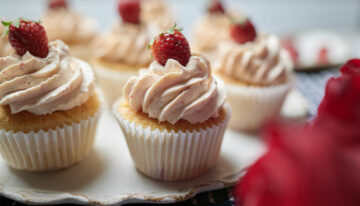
316, 164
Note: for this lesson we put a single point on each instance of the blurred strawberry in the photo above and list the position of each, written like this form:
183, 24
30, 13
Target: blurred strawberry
57, 4
129, 11
288, 45
216, 7
323, 58
352, 67
243, 32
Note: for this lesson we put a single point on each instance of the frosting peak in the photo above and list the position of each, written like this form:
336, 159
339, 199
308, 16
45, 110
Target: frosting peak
261, 62
68, 26
173, 92
44, 85
5, 47
126, 43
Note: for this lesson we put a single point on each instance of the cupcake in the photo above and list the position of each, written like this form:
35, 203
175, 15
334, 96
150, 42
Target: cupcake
122, 51
257, 74
48, 105
212, 28
173, 114
157, 15
77, 31
5, 47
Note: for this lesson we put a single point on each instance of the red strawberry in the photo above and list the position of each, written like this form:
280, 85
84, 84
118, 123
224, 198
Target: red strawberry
56, 4
216, 7
171, 45
290, 47
323, 57
27, 36
243, 32
129, 11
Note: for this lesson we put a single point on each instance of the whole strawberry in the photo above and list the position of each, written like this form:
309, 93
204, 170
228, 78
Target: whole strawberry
27, 36
216, 7
243, 32
171, 45
129, 11
57, 4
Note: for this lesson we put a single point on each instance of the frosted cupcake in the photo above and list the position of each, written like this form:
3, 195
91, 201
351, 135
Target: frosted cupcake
157, 15
48, 106
173, 114
121, 52
77, 31
5, 47
257, 74
212, 28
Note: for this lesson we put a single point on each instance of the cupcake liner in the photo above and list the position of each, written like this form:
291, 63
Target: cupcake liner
112, 81
173, 156
253, 106
49, 150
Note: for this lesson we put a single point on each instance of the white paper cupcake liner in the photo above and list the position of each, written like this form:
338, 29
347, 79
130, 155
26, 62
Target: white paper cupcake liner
173, 156
253, 106
49, 150
112, 81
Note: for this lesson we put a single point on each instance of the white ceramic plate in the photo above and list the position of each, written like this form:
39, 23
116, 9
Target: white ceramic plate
108, 176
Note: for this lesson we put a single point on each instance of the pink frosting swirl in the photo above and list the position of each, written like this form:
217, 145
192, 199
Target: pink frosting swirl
5, 47
261, 62
44, 85
68, 26
173, 92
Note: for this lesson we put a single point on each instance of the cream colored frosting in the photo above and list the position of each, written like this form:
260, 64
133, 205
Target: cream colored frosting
173, 92
5, 47
44, 85
262, 62
156, 14
68, 26
210, 30
125, 43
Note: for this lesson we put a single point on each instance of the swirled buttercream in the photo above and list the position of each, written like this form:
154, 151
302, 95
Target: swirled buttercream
5, 47
174, 92
44, 85
157, 15
262, 62
125, 43
68, 26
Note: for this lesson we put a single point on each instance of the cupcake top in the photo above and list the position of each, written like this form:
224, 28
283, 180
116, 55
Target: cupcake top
213, 27
5, 47
44, 85
68, 26
157, 14
39, 77
177, 85
251, 58
126, 43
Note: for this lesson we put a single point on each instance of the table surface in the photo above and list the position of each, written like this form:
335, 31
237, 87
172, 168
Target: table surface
310, 84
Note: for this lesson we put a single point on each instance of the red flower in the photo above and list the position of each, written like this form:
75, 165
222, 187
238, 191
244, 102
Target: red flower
303, 167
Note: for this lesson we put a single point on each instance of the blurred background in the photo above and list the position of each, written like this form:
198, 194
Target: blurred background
280, 16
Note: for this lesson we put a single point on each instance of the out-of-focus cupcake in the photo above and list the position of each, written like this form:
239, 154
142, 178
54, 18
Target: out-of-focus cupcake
5, 47
212, 28
157, 15
257, 74
76, 30
49, 107
173, 114
121, 52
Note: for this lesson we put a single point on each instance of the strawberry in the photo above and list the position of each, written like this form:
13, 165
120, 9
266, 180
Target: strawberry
56, 4
171, 45
323, 56
243, 32
216, 7
129, 11
27, 36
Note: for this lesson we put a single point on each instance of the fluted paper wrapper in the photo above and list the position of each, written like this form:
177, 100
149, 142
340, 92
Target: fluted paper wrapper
252, 106
49, 150
112, 81
173, 156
